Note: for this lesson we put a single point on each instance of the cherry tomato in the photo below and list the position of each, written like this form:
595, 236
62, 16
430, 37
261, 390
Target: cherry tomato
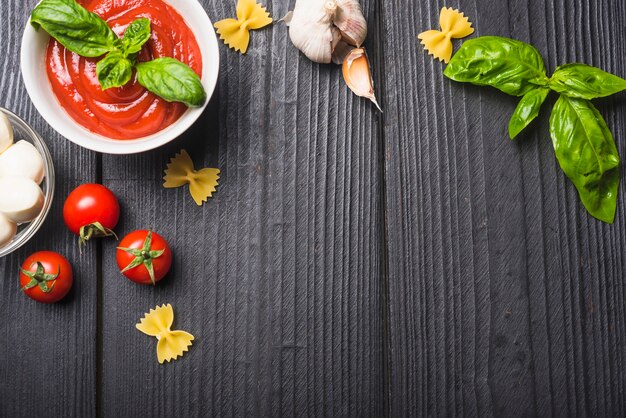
144, 257
91, 210
46, 277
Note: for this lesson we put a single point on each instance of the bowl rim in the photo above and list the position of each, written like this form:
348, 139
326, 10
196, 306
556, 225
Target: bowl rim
58, 118
26, 234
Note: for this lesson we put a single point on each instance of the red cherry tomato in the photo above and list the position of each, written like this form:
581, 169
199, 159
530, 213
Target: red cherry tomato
144, 257
91, 210
46, 277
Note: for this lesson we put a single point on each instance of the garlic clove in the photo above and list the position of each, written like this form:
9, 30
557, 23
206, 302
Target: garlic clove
350, 21
341, 52
357, 74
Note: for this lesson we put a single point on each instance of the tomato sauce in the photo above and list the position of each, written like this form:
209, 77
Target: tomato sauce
128, 112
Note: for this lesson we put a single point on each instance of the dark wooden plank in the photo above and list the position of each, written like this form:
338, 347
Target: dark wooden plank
278, 276
506, 298
48, 352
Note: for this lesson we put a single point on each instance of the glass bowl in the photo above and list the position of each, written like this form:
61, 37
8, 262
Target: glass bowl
22, 131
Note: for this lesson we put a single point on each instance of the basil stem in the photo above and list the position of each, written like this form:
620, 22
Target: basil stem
587, 154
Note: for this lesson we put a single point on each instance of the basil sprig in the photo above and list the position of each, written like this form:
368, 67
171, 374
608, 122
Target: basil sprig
88, 35
116, 69
582, 141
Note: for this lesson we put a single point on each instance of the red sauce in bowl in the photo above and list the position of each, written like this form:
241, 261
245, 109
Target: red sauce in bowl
128, 112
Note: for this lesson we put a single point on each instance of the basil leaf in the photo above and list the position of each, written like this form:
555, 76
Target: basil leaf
76, 28
511, 66
527, 110
136, 35
585, 82
114, 70
587, 154
172, 80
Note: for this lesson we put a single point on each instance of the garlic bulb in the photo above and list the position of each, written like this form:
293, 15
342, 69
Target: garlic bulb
317, 27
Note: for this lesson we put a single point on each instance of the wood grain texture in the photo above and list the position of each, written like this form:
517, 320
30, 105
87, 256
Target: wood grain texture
48, 353
506, 298
279, 274
411, 263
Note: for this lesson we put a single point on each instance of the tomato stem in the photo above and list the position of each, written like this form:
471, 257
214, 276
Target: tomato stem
143, 256
94, 230
40, 278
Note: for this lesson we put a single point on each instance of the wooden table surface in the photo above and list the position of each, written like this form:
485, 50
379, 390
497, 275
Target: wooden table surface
352, 263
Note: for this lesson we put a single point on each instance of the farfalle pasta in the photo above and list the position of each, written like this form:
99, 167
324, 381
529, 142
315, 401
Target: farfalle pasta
453, 25
158, 323
202, 183
236, 32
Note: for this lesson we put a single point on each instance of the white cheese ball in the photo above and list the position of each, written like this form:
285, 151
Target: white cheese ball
22, 160
21, 199
6, 132
8, 230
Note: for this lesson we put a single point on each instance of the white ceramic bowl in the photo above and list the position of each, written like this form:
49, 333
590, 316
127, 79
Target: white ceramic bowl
33, 67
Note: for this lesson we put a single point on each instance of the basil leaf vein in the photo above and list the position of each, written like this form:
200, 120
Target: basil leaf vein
114, 70
511, 66
527, 110
585, 82
587, 154
77, 29
171, 80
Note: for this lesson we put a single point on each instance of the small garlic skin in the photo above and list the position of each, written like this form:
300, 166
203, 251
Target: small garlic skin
317, 27
341, 52
351, 22
357, 74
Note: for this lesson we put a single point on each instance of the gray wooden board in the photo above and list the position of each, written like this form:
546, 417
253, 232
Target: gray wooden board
505, 297
48, 353
414, 262
279, 274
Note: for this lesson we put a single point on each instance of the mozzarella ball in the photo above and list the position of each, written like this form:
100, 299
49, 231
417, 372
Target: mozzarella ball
22, 160
6, 132
21, 199
8, 230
